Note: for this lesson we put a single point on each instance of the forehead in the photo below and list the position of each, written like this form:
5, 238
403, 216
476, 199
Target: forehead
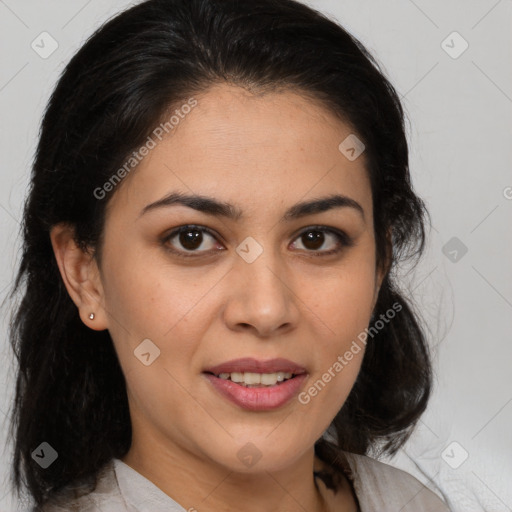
249, 149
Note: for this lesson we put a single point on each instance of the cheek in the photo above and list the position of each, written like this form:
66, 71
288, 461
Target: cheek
343, 303
141, 307
143, 297
157, 392
345, 297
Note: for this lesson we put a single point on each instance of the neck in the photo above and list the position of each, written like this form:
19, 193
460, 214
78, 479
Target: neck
198, 484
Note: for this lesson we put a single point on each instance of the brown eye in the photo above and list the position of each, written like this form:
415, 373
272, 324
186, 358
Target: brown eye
314, 238
189, 239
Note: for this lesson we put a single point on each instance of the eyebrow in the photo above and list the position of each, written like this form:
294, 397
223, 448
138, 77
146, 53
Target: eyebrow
217, 208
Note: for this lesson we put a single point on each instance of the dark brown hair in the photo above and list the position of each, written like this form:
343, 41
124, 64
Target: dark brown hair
70, 389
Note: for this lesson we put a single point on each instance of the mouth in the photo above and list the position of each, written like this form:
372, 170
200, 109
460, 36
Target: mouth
256, 380
252, 372
257, 385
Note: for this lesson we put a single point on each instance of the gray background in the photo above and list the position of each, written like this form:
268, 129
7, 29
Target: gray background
460, 136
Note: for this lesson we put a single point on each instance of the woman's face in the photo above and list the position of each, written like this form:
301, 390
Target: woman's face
266, 284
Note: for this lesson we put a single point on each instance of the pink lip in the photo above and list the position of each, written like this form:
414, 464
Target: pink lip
249, 364
258, 399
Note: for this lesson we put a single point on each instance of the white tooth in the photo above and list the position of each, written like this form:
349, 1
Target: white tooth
252, 378
269, 379
224, 376
237, 377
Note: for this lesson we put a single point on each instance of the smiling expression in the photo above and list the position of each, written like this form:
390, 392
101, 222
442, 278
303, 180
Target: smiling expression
275, 259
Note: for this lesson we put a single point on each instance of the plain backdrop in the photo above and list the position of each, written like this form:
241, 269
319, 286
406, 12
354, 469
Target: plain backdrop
451, 63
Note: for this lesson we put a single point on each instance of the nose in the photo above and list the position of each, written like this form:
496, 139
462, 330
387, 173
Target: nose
261, 297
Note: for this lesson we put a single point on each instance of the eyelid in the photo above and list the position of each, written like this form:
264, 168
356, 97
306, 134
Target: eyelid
344, 240
170, 235
342, 237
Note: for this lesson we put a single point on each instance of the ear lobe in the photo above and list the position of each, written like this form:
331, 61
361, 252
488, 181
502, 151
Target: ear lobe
80, 275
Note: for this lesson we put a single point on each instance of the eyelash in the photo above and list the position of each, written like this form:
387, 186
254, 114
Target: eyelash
343, 239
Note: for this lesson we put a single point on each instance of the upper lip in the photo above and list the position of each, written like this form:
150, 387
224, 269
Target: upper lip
249, 364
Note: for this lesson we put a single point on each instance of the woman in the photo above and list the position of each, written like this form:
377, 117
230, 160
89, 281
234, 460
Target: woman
219, 198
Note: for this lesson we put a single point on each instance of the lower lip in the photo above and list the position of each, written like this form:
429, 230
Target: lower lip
258, 399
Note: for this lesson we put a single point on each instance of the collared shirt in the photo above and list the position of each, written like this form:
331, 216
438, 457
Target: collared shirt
379, 487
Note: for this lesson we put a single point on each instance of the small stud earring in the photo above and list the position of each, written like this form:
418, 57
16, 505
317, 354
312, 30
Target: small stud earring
91, 316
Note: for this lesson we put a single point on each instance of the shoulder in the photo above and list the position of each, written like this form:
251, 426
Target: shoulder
76, 498
382, 487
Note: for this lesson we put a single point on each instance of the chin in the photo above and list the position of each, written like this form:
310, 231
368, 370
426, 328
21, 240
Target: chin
261, 453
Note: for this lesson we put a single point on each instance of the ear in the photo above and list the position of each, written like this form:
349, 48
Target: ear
81, 276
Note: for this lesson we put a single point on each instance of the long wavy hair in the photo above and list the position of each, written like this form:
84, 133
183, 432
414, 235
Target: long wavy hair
70, 390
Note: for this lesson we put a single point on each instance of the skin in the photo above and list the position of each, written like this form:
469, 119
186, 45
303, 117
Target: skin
265, 152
